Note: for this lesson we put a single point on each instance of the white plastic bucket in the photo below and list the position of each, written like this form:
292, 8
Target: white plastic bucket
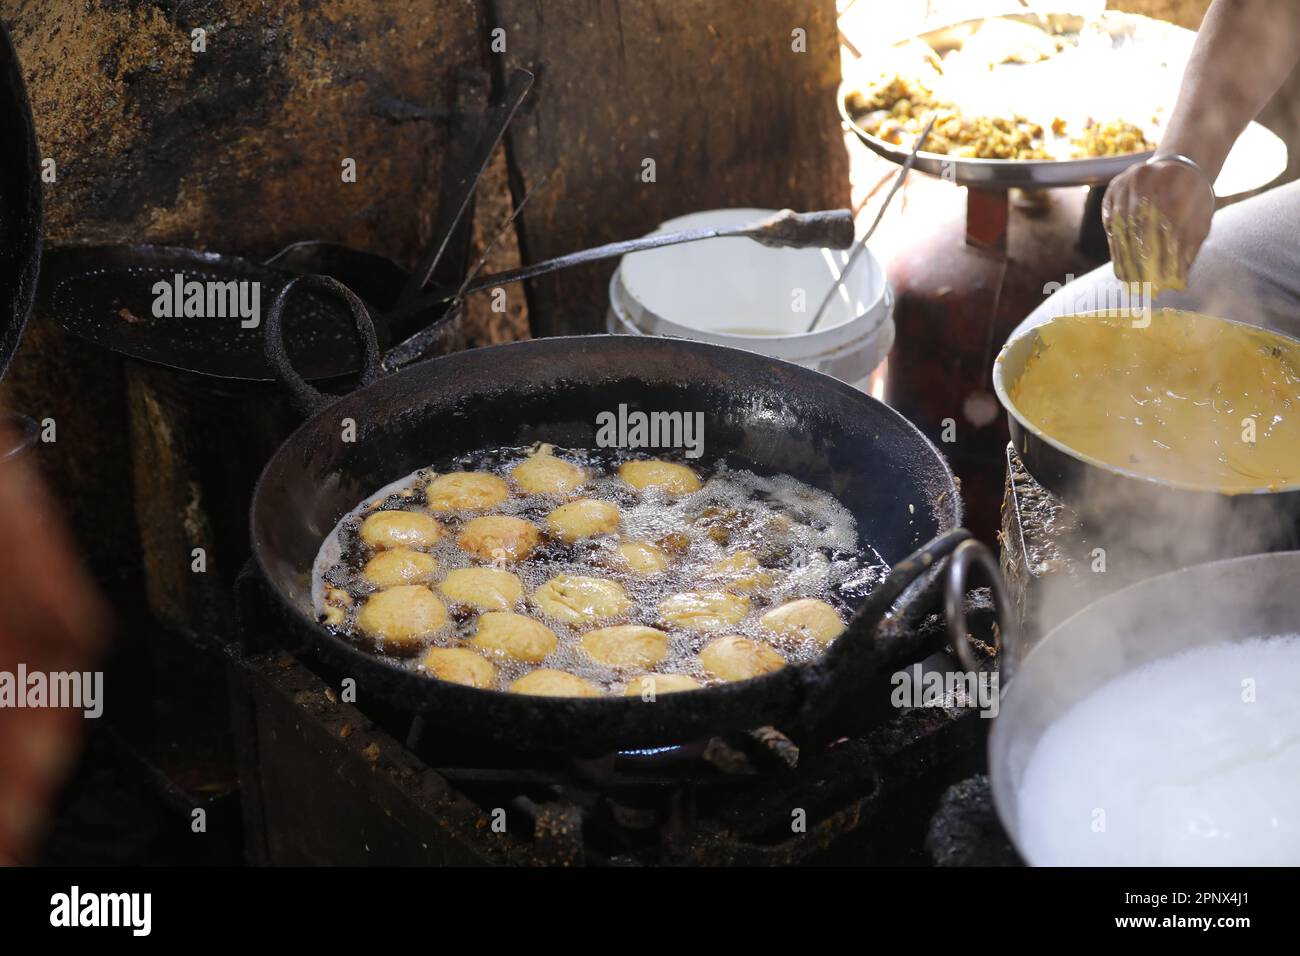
739, 293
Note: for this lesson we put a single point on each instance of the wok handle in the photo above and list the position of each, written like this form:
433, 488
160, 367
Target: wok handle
872, 612
852, 675
973, 555
905, 573
307, 398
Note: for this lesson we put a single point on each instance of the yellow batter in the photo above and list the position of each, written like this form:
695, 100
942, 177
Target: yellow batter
1147, 251
1189, 398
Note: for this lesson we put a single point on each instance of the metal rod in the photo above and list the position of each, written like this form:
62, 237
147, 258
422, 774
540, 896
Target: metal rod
501, 231
521, 81
880, 215
832, 228
411, 348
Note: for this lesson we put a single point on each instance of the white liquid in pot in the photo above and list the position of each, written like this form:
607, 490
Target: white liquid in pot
1174, 764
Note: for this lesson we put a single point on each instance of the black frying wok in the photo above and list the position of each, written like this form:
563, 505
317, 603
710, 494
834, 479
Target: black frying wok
105, 293
777, 416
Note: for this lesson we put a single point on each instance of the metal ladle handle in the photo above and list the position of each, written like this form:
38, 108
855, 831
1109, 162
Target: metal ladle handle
970, 555
307, 398
831, 229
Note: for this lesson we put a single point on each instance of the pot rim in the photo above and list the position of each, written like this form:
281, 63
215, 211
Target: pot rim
1009, 825
1001, 388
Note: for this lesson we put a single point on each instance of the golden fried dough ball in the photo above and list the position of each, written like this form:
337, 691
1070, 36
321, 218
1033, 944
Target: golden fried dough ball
584, 518
546, 682
676, 543
738, 658
642, 557
400, 529
575, 599
459, 665
390, 568
648, 686
544, 474
704, 610
338, 597
513, 635
499, 538
740, 572
627, 645
466, 490
484, 589
402, 619
672, 478
807, 617
336, 602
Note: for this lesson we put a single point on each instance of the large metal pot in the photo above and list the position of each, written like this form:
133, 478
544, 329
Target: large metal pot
1230, 600
1228, 525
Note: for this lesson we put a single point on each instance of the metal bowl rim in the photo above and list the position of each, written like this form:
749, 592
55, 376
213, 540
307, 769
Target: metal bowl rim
1009, 826
1000, 388
1006, 173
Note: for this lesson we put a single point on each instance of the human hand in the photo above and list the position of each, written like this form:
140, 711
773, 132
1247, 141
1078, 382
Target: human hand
1157, 215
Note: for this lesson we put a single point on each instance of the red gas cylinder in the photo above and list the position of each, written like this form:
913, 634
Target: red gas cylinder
973, 264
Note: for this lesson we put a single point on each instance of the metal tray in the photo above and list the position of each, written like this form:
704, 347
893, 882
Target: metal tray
1167, 40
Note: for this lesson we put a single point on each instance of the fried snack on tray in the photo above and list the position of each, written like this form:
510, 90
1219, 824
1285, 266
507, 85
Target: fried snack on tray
898, 110
914, 83
1112, 138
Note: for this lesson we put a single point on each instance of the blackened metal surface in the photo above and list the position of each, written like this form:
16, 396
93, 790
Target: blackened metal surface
106, 294
21, 230
197, 446
965, 831
778, 417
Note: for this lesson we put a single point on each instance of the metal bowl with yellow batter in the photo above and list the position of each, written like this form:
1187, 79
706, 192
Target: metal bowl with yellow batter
1170, 409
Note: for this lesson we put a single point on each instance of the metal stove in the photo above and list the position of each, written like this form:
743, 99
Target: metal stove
1055, 560
327, 780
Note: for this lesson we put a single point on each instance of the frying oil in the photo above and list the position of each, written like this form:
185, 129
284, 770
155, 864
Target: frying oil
803, 537
1191, 760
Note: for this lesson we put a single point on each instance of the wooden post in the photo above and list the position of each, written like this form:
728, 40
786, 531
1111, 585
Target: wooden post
649, 110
